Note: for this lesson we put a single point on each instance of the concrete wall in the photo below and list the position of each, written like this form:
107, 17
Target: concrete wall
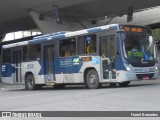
147, 17
47, 25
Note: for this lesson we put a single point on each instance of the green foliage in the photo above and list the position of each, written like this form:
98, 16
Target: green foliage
156, 34
135, 54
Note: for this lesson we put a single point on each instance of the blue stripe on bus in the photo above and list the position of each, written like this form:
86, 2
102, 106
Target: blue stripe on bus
43, 39
119, 64
61, 36
36, 41
7, 70
93, 30
68, 65
41, 63
62, 65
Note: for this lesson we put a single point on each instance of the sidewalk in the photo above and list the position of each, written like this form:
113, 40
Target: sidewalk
4, 86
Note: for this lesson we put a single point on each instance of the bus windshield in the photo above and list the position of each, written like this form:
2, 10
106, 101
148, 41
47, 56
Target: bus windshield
139, 48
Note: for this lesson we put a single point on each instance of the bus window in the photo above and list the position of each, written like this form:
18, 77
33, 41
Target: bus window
67, 47
87, 44
25, 53
104, 48
7, 56
34, 52
108, 47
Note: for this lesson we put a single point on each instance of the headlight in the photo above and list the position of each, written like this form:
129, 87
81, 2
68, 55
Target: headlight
156, 68
128, 67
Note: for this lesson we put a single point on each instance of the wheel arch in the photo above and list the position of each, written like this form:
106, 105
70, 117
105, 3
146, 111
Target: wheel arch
28, 73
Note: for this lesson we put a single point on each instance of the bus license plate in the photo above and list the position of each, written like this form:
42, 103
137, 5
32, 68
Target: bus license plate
145, 78
49, 84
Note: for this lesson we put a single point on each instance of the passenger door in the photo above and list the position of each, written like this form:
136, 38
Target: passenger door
108, 52
17, 62
49, 66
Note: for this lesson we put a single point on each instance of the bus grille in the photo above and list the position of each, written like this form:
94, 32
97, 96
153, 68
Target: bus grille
141, 76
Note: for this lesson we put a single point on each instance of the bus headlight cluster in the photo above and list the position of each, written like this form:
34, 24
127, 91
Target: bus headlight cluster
156, 68
128, 68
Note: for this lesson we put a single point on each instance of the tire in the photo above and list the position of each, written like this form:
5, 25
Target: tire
30, 82
85, 85
92, 80
125, 84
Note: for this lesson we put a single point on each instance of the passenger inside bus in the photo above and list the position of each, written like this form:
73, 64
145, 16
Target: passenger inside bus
103, 51
90, 47
67, 54
71, 51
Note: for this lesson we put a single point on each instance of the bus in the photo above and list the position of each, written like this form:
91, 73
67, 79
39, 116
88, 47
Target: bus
110, 54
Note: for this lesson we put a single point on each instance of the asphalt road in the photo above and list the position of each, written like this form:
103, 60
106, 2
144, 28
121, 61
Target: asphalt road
138, 96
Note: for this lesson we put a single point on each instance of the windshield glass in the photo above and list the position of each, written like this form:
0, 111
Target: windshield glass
139, 49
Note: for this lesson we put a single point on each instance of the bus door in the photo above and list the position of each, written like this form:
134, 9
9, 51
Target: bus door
17, 62
107, 49
49, 63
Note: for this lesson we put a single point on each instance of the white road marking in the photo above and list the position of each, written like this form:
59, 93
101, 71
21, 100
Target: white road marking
9, 98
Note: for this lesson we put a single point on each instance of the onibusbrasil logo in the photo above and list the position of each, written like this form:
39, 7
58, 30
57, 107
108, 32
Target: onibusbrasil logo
76, 61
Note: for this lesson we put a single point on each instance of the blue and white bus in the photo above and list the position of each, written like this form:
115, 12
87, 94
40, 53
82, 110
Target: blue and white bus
107, 54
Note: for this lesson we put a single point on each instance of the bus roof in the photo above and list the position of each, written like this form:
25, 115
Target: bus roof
61, 35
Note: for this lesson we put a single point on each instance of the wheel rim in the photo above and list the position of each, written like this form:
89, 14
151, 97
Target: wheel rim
30, 82
93, 79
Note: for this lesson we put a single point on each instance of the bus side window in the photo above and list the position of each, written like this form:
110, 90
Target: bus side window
34, 52
72, 49
6, 55
25, 53
87, 44
90, 47
68, 47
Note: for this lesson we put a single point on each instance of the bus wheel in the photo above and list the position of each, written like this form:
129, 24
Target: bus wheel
92, 79
125, 84
30, 82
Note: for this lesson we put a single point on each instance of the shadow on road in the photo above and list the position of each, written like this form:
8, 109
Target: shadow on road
81, 87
